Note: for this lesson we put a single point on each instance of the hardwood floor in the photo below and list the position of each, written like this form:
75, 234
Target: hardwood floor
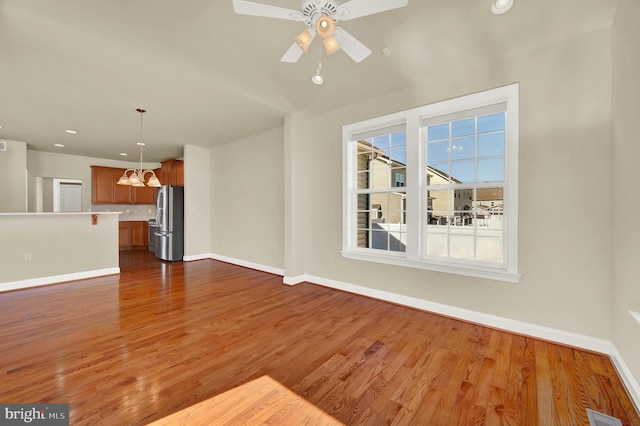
133, 348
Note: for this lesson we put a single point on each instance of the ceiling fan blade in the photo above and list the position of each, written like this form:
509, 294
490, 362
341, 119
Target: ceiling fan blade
357, 8
242, 7
293, 54
351, 45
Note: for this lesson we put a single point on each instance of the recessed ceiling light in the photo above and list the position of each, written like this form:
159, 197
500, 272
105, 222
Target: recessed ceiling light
498, 7
140, 143
59, 145
73, 132
124, 154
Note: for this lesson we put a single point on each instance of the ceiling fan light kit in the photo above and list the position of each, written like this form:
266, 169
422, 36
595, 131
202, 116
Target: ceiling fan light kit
321, 17
304, 39
498, 7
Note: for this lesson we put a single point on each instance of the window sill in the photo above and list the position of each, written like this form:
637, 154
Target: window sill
477, 271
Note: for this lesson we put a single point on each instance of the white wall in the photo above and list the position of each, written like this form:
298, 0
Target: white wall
197, 186
13, 166
565, 171
626, 154
247, 199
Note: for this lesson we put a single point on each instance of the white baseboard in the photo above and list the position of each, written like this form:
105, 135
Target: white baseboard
196, 257
294, 280
247, 264
54, 279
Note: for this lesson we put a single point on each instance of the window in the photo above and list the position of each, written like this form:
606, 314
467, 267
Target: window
435, 187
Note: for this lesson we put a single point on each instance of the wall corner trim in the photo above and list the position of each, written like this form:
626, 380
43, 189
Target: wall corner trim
298, 279
247, 264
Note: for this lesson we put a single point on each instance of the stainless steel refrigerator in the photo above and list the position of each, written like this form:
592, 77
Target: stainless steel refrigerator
170, 223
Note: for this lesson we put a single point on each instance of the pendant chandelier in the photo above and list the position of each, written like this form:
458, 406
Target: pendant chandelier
137, 175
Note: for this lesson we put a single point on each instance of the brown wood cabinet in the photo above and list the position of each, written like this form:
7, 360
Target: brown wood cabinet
124, 236
171, 172
133, 235
103, 185
106, 191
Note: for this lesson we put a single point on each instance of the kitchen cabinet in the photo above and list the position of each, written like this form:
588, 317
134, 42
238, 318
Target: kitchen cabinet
133, 235
102, 185
121, 193
171, 172
124, 236
143, 195
106, 191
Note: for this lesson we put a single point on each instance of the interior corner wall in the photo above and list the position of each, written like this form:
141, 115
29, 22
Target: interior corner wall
564, 190
197, 202
247, 199
13, 175
626, 152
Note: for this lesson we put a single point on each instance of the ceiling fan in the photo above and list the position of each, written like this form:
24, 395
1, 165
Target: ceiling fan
321, 17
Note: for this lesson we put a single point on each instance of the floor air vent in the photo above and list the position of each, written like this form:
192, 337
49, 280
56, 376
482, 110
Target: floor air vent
3, 146
599, 419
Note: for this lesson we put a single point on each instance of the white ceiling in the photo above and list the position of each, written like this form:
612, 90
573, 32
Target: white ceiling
208, 76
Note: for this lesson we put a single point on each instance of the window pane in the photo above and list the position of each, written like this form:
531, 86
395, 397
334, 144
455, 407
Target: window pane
489, 200
363, 220
379, 238
463, 127
491, 123
438, 151
463, 148
381, 142
463, 171
398, 177
461, 243
399, 155
363, 239
363, 180
380, 176
398, 242
439, 200
363, 202
491, 145
440, 131
438, 174
363, 160
399, 139
491, 170
462, 200
436, 239
489, 249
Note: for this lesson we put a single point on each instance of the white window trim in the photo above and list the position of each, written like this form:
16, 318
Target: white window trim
412, 120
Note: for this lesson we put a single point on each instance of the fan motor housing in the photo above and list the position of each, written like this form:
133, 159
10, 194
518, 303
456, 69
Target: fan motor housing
312, 10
